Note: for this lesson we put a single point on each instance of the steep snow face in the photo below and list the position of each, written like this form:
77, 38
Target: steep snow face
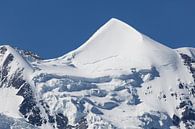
118, 79
117, 46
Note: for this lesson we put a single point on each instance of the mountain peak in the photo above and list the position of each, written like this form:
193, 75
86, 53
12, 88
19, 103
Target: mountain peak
113, 33
117, 71
117, 45
118, 30
7, 53
116, 23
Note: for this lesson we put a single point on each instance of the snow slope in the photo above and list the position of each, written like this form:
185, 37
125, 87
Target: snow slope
119, 79
117, 46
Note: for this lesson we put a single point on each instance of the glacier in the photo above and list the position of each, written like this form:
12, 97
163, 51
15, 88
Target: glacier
118, 79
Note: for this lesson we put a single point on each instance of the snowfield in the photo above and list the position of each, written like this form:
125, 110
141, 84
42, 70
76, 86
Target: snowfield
118, 79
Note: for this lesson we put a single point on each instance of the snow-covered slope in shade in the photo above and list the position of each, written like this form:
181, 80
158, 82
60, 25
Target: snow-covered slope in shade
118, 79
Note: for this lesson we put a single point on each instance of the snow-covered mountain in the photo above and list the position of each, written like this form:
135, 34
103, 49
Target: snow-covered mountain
118, 79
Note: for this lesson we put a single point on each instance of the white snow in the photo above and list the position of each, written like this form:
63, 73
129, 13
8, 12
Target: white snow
117, 47
9, 102
112, 51
119, 71
187, 50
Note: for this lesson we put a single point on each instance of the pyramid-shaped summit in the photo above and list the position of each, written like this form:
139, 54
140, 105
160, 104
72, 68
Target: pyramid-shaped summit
117, 45
113, 34
118, 31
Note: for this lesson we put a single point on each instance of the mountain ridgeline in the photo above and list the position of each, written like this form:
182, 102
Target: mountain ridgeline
118, 79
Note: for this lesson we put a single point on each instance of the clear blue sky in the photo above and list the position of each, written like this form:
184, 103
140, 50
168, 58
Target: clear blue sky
54, 27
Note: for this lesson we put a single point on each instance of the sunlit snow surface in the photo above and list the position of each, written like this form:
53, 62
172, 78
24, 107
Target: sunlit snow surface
119, 79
